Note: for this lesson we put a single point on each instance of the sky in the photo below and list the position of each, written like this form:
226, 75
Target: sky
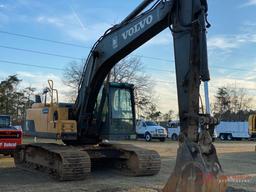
79, 23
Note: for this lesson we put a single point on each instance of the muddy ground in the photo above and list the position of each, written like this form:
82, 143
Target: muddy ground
237, 158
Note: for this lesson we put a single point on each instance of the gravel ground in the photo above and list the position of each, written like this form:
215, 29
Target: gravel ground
237, 158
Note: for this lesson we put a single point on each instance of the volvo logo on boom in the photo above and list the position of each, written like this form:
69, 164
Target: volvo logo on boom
136, 28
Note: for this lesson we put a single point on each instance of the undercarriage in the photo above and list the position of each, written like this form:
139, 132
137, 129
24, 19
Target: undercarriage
75, 163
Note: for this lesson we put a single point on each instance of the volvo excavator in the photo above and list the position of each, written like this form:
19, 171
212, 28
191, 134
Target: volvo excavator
80, 125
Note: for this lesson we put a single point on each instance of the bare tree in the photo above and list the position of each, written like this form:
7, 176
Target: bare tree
71, 77
239, 99
168, 116
128, 70
72, 74
231, 103
153, 113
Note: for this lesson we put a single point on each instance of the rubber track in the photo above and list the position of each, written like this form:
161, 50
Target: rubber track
145, 162
73, 164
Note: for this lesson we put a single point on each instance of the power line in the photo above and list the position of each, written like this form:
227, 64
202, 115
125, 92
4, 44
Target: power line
77, 45
163, 70
39, 52
234, 69
217, 67
87, 47
162, 81
30, 65
210, 86
43, 39
153, 58
74, 45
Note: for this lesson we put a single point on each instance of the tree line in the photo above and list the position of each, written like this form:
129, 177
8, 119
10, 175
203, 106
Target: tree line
233, 104
14, 100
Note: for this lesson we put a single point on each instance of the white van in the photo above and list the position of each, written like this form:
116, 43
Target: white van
150, 130
173, 130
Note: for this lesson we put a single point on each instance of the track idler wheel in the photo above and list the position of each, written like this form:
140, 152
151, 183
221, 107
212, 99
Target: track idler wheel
197, 168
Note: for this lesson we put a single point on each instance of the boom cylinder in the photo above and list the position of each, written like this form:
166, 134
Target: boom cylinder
137, 10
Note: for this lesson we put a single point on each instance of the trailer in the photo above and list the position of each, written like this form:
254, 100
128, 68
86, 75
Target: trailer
228, 130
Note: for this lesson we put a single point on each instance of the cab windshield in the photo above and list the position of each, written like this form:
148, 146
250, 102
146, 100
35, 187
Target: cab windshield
4, 121
150, 123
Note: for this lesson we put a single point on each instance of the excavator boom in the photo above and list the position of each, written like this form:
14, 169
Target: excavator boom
187, 22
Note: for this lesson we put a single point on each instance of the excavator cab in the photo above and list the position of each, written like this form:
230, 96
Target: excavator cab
115, 111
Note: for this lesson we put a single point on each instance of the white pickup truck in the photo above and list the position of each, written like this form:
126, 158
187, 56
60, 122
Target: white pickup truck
150, 130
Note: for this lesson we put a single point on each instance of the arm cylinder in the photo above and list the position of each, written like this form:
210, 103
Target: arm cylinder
206, 95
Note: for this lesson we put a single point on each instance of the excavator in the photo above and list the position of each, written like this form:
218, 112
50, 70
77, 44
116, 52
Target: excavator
80, 126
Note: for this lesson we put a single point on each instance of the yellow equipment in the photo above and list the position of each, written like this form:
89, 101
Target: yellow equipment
50, 119
252, 125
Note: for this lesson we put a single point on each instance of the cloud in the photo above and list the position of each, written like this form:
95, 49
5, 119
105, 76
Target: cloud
39, 81
4, 19
70, 26
163, 38
73, 26
165, 93
249, 24
221, 43
26, 74
228, 42
249, 3
250, 75
2, 6
50, 20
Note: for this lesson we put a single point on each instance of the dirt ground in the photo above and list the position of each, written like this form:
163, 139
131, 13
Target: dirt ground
237, 158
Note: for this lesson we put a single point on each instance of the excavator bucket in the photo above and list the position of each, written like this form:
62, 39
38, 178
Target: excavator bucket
197, 168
